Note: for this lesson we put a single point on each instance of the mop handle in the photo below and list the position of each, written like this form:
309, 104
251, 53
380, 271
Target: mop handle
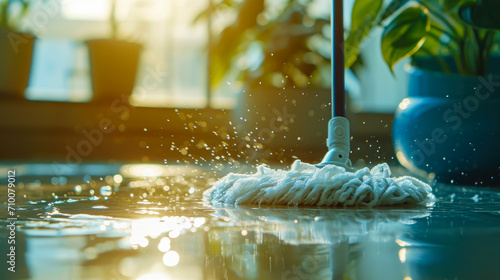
338, 141
338, 91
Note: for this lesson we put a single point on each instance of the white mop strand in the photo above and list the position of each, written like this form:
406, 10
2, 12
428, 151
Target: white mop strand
329, 186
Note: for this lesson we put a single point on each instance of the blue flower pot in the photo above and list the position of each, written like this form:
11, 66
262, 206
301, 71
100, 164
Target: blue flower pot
449, 126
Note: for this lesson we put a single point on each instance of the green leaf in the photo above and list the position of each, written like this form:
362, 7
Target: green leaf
405, 34
392, 8
3, 14
482, 14
364, 13
449, 5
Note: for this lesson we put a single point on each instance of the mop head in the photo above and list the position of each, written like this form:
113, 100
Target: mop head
329, 186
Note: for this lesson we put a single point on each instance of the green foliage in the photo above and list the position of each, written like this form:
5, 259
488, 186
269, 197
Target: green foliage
449, 5
292, 43
295, 46
364, 14
462, 29
7, 20
405, 34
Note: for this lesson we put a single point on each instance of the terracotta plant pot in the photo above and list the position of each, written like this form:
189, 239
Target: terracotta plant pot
113, 67
16, 51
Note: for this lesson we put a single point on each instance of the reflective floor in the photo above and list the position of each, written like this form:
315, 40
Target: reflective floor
150, 222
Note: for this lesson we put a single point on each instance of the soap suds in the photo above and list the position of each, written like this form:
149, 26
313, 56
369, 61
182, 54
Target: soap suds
330, 186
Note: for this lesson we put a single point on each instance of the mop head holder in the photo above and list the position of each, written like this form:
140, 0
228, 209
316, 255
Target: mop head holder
338, 144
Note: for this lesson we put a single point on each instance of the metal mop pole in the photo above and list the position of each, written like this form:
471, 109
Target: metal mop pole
338, 127
338, 92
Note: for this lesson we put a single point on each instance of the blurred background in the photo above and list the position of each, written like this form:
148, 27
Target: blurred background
116, 115
185, 81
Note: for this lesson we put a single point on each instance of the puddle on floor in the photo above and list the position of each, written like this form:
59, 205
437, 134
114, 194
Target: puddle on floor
133, 224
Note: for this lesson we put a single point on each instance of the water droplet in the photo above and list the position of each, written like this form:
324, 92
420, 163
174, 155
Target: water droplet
77, 189
118, 178
106, 190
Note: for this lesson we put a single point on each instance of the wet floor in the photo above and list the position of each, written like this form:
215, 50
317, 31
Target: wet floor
150, 222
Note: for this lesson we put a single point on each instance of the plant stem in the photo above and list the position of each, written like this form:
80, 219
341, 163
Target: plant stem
4, 20
439, 59
112, 20
453, 39
463, 58
460, 60
454, 52
489, 40
441, 17
440, 29
480, 55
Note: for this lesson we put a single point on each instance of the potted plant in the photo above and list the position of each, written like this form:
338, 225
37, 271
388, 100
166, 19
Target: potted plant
449, 125
280, 55
16, 50
113, 63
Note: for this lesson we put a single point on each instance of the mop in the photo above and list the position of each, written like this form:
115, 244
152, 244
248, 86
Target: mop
333, 182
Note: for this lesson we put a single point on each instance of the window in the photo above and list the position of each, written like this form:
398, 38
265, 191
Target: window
173, 45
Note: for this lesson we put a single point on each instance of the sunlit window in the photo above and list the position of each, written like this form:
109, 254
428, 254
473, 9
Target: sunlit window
174, 50
86, 9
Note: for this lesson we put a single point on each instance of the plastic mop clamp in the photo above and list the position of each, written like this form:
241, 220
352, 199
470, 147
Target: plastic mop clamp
333, 182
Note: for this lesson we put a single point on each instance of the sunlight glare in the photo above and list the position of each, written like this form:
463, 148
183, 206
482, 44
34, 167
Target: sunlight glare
86, 9
153, 276
171, 258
